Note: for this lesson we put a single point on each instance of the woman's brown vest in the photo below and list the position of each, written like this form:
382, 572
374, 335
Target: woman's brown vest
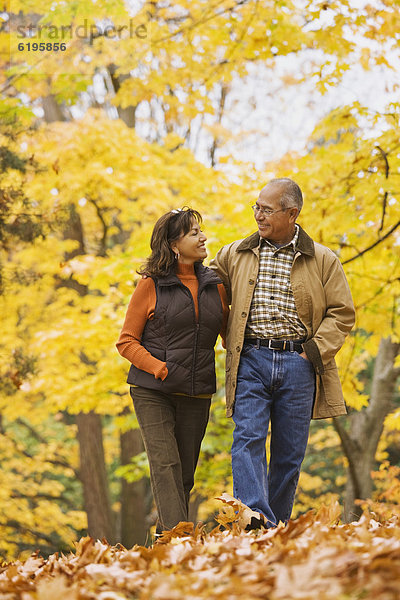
176, 337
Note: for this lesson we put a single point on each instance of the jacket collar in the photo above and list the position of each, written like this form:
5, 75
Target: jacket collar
305, 244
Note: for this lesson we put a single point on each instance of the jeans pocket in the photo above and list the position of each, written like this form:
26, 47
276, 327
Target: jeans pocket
248, 349
305, 360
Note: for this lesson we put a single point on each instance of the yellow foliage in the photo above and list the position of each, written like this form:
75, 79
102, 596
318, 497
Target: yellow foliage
72, 334
392, 421
386, 500
96, 188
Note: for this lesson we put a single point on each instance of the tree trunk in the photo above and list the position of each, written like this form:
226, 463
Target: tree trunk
360, 440
94, 477
195, 502
134, 528
52, 110
93, 473
220, 114
128, 113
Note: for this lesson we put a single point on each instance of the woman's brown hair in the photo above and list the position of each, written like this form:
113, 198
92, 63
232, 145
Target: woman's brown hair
168, 229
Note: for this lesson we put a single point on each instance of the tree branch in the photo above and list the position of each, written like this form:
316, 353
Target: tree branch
384, 156
60, 500
59, 462
379, 291
384, 204
37, 534
102, 251
205, 19
362, 252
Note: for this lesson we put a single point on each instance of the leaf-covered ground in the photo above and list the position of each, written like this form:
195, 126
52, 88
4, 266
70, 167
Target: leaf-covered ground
312, 558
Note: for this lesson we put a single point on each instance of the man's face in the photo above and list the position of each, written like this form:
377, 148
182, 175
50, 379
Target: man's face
279, 226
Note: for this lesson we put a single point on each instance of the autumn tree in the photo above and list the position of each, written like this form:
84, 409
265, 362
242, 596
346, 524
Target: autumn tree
110, 125
352, 179
74, 282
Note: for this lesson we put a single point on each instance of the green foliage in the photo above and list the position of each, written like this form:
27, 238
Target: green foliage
40, 497
136, 469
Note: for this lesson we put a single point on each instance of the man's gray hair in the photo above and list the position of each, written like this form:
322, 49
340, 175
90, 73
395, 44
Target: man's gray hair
291, 193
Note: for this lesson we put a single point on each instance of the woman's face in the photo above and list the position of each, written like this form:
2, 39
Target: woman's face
191, 247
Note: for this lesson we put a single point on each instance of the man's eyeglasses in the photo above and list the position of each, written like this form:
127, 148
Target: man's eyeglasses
267, 211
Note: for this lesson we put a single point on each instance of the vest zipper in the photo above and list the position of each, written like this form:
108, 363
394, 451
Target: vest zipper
196, 335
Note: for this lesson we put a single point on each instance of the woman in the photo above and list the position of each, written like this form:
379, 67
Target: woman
171, 326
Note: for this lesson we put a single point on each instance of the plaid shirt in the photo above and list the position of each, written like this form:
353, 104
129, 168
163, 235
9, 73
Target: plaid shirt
273, 313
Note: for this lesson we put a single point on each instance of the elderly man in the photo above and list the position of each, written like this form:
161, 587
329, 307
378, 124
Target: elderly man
291, 309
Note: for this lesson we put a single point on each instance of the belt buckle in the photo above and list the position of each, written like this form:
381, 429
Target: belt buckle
272, 347
286, 345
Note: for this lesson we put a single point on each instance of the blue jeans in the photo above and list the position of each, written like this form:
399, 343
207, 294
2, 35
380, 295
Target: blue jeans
278, 387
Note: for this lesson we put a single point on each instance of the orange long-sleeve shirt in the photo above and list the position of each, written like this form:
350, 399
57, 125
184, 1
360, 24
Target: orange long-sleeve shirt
141, 309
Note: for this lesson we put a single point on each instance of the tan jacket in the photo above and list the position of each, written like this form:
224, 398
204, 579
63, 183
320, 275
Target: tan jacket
324, 305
